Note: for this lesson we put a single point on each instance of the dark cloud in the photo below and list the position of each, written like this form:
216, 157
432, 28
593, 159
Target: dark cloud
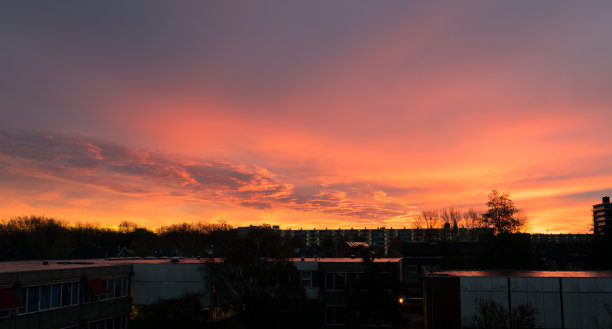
592, 195
126, 170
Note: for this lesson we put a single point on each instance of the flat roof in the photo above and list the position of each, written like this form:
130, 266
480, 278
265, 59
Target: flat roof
37, 265
345, 260
537, 274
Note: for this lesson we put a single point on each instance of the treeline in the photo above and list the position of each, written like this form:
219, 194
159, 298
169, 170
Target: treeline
502, 216
37, 237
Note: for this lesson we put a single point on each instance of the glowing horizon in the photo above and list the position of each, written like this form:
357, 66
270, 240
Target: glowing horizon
344, 114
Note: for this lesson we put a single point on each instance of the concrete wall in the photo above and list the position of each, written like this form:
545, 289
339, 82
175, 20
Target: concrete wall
583, 299
153, 282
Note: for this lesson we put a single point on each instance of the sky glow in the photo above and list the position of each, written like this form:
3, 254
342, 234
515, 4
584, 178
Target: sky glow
310, 114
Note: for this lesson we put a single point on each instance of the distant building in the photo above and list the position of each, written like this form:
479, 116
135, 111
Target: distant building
561, 238
389, 242
381, 238
602, 217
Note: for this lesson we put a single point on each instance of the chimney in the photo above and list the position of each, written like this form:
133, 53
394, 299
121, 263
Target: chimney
605, 199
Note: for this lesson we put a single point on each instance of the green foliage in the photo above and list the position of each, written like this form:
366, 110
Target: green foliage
491, 315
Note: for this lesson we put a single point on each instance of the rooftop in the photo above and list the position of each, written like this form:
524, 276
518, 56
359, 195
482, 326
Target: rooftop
37, 265
538, 274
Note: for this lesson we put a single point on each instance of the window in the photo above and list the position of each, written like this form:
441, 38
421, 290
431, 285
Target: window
352, 279
119, 288
110, 286
75, 292
340, 281
99, 289
374, 319
45, 297
335, 315
22, 296
329, 281
56, 295
32, 303
118, 322
95, 291
9, 302
50, 296
66, 294
124, 286
306, 279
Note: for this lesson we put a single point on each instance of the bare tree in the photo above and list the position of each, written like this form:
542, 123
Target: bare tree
471, 219
431, 218
492, 315
419, 222
450, 216
127, 227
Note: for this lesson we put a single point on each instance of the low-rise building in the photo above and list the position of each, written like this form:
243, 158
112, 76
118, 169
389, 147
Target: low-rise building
561, 299
100, 293
334, 284
85, 294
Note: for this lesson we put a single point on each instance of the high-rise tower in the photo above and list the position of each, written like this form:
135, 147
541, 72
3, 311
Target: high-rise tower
602, 217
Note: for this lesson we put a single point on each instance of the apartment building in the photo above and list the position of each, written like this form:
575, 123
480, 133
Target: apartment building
75, 295
602, 217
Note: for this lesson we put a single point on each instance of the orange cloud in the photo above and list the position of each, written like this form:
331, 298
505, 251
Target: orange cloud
136, 173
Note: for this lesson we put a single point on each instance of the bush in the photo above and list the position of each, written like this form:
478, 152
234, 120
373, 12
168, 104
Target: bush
491, 315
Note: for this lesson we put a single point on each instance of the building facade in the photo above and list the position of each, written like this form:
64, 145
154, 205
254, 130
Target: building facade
75, 295
336, 285
561, 299
381, 238
101, 293
602, 217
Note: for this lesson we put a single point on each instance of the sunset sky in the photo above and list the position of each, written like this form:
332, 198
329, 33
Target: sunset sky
304, 114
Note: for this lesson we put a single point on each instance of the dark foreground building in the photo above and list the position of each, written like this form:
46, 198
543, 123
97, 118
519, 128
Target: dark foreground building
71, 295
100, 293
562, 299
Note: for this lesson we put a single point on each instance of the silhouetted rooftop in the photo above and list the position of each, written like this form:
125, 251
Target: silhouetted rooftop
37, 265
539, 274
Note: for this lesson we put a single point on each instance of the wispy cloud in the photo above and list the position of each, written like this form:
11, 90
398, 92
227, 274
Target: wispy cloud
126, 170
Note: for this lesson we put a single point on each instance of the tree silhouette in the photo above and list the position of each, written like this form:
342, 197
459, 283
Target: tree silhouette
502, 215
491, 315
258, 281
